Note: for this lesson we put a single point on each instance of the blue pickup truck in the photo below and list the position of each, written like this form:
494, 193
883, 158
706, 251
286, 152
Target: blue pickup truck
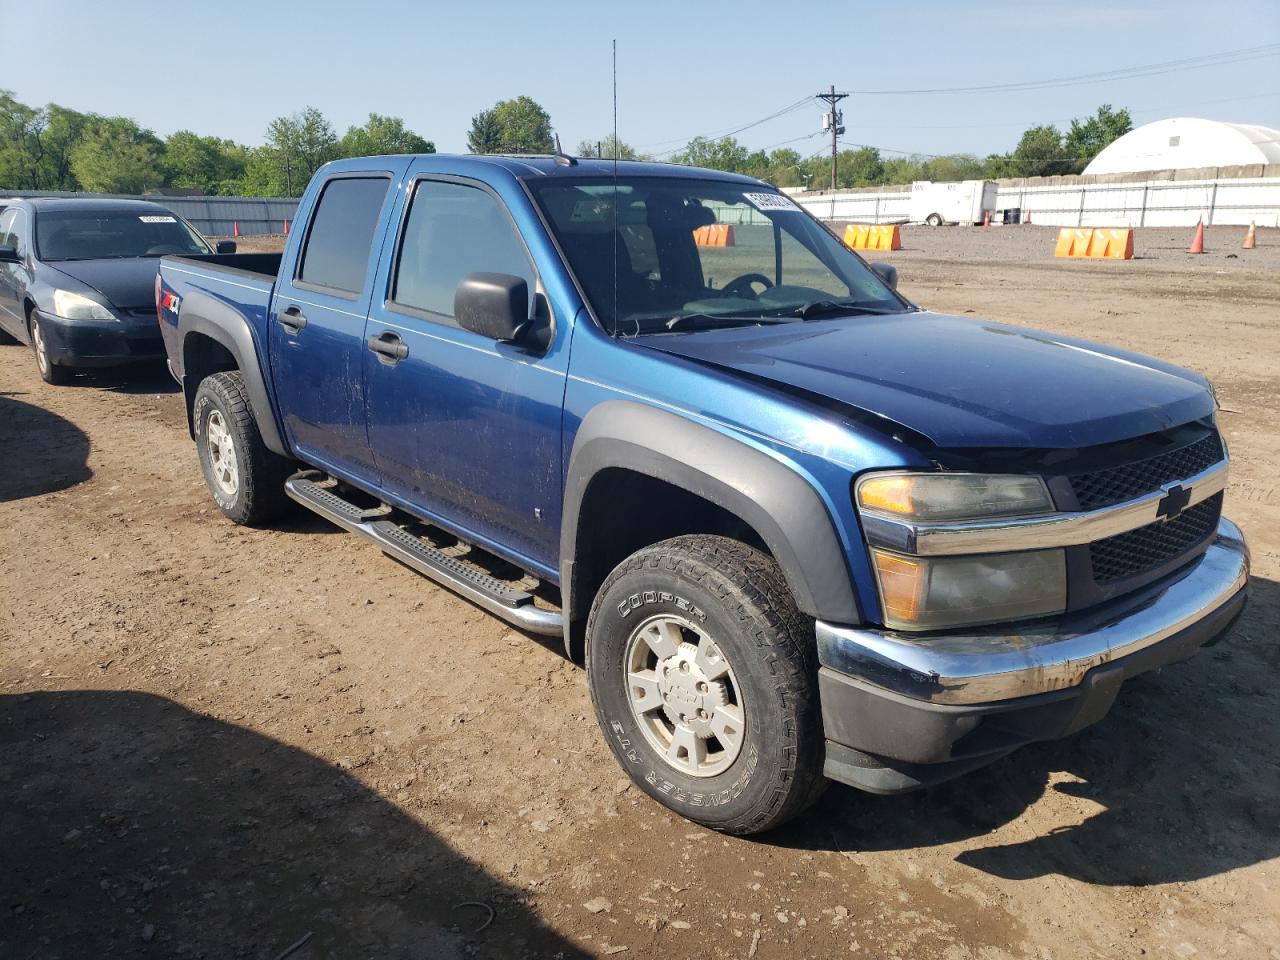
797, 528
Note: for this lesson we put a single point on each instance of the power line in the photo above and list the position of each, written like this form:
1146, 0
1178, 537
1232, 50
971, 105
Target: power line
1125, 73
789, 108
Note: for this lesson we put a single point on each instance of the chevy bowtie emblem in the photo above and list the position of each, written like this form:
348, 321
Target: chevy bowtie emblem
1174, 502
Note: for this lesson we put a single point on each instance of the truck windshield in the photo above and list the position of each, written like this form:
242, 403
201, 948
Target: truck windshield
694, 254
103, 234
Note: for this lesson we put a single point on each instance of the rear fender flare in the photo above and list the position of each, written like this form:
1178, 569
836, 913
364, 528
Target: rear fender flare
775, 500
203, 315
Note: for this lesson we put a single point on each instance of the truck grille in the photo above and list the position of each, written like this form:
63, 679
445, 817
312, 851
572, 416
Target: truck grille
1113, 485
1135, 552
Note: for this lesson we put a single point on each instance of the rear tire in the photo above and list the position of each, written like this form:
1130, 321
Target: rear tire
50, 372
704, 678
934, 219
245, 478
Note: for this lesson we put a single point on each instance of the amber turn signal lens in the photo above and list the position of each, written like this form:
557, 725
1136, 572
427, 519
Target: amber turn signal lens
891, 494
902, 584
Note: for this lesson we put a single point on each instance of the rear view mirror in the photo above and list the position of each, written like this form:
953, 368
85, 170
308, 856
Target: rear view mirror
226, 246
494, 305
9, 255
886, 272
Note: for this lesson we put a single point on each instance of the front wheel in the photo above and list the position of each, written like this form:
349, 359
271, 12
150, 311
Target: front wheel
934, 219
704, 679
50, 372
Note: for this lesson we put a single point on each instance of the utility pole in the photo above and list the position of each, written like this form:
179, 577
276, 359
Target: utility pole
832, 120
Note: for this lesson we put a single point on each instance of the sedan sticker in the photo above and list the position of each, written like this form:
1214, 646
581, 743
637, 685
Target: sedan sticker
770, 201
158, 219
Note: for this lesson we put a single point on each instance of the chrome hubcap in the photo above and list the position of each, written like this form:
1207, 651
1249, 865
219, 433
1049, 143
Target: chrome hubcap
222, 454
684, 696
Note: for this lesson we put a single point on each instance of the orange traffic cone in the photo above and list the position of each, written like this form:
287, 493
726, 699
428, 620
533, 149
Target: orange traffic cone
986, 218
235, 228
1026, 217
1197, 244
1250, 238
286, 228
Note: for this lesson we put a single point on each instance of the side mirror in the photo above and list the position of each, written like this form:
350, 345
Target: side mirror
494, 305
886, 272
226, 246
9, 255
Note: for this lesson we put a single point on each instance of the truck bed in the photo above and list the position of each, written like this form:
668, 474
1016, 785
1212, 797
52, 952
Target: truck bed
255, 265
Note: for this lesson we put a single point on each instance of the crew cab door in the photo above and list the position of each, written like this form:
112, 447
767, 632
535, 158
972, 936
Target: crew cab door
465, 428
317, 321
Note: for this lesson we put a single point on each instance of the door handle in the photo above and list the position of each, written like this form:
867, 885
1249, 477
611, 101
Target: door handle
291, 319
389, 347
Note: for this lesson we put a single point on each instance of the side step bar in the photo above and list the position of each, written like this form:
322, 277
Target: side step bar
494, 595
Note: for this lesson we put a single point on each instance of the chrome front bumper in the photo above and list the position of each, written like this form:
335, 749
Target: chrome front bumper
985, 665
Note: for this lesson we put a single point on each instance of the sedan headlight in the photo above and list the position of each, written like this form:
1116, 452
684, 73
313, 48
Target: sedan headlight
932, 593
76, 306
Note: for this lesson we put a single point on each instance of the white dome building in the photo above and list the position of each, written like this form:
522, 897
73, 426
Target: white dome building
1187, 142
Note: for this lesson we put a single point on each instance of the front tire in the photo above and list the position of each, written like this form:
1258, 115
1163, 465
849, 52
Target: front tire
704, 678
934, 220
245, 478
50, 372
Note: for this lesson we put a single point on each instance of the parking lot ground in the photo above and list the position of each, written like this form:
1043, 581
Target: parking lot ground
216, 741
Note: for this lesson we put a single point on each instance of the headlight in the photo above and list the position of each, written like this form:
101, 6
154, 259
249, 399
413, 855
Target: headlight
75, 306
952, 496
930, 593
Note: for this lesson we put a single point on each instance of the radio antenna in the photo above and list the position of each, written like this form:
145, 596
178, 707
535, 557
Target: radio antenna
616, 238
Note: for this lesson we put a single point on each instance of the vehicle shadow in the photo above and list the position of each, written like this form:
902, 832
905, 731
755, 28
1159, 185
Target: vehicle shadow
135, 827
134, 378
1179, 782
40, 452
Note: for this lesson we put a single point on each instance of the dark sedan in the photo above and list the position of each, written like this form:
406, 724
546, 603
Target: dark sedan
77, 279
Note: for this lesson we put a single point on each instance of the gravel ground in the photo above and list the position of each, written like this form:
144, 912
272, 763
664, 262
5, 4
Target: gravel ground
216, 742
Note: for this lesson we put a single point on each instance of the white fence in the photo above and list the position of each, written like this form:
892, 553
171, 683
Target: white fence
1135, 203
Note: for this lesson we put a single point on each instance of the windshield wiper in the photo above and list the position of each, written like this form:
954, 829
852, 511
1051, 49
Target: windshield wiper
687, 321
826, 308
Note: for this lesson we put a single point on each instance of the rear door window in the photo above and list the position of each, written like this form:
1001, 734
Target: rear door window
340, 238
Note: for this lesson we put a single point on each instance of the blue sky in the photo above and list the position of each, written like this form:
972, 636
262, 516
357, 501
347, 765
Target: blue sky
227, 67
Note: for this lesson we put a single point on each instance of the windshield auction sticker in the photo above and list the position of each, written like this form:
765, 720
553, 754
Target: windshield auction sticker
158, 219
770, 201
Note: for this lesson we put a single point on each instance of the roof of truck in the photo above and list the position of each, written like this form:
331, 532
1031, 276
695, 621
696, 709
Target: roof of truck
536, 166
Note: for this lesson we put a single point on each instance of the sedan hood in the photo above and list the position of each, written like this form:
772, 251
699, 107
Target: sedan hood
958, 382
128, 283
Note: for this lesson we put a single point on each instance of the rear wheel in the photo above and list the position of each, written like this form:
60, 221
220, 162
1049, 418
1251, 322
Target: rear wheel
704, 680
245, 478
934, 219
50, 372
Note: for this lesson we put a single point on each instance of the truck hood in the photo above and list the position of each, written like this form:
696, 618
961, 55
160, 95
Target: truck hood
961, 383
128, 283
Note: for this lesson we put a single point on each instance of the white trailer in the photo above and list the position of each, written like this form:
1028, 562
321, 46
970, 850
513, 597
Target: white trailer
966, 201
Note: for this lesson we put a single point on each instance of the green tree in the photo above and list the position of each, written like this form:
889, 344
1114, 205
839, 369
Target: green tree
485, 135
724, 154
1040, 153
203, 163
785, 169
903, 170
608, 147
20, 129
297, 146
955, 166
118, 156
511, 126
1087, 137
380, 136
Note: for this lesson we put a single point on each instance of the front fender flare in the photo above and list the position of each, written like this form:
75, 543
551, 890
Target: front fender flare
779, 504
204, 315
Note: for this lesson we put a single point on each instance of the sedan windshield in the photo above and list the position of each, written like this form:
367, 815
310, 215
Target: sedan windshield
696, 254
93, 235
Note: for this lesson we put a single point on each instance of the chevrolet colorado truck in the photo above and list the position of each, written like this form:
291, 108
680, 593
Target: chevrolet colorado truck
797, 528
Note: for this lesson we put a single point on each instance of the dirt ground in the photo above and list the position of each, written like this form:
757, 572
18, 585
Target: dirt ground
219, 742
